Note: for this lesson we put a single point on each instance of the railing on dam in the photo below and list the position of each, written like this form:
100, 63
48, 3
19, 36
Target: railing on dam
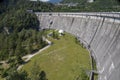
95, 14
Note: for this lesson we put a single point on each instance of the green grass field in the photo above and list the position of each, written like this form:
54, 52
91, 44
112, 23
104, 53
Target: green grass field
63, 60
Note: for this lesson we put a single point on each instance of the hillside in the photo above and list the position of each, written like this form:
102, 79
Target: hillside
75, 1
96, 1
96, 6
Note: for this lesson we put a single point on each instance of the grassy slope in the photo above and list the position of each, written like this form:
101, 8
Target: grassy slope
63, 60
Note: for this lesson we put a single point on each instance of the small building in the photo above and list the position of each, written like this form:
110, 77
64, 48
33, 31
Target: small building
61, 32
90, 1
29, 11
67, 4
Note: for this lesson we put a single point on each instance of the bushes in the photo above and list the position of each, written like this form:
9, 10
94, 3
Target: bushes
15, 75
55, 35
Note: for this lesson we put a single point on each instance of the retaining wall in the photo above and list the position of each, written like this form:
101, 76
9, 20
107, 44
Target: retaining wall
99, 32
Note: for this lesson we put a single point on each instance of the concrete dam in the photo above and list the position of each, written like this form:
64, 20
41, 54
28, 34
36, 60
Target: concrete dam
99, 32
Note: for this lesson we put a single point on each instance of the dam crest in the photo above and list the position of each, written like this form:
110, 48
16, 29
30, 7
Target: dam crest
98, 31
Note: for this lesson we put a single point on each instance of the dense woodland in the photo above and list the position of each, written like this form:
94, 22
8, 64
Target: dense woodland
19, 28
19, 36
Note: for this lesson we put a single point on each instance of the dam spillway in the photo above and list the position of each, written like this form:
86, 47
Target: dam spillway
99, 32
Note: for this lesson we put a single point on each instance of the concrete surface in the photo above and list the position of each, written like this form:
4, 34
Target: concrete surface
99, 32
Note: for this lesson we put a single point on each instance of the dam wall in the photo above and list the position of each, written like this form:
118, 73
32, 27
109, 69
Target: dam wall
99, 32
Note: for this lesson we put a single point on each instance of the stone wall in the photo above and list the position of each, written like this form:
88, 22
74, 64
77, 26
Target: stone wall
99, 32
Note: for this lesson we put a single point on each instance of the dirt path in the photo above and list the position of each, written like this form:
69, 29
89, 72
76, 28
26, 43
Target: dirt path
28, 57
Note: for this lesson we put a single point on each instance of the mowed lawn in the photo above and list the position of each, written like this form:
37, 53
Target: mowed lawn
63, 60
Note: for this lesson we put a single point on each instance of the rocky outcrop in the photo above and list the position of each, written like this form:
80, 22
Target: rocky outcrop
99, 32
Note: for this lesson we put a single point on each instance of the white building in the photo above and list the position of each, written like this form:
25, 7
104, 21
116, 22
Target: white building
61, 32
90, 1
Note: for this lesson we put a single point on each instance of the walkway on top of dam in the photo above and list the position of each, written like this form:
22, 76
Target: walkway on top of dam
79, 14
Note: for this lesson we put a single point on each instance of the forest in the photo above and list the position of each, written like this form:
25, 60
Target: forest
19, 36
19, 28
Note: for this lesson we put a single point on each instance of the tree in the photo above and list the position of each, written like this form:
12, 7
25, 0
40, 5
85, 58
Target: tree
36, 73
19, 60
15, 75
42, 76
55, 35
30, 48
35, 70
19, 49
4, 54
